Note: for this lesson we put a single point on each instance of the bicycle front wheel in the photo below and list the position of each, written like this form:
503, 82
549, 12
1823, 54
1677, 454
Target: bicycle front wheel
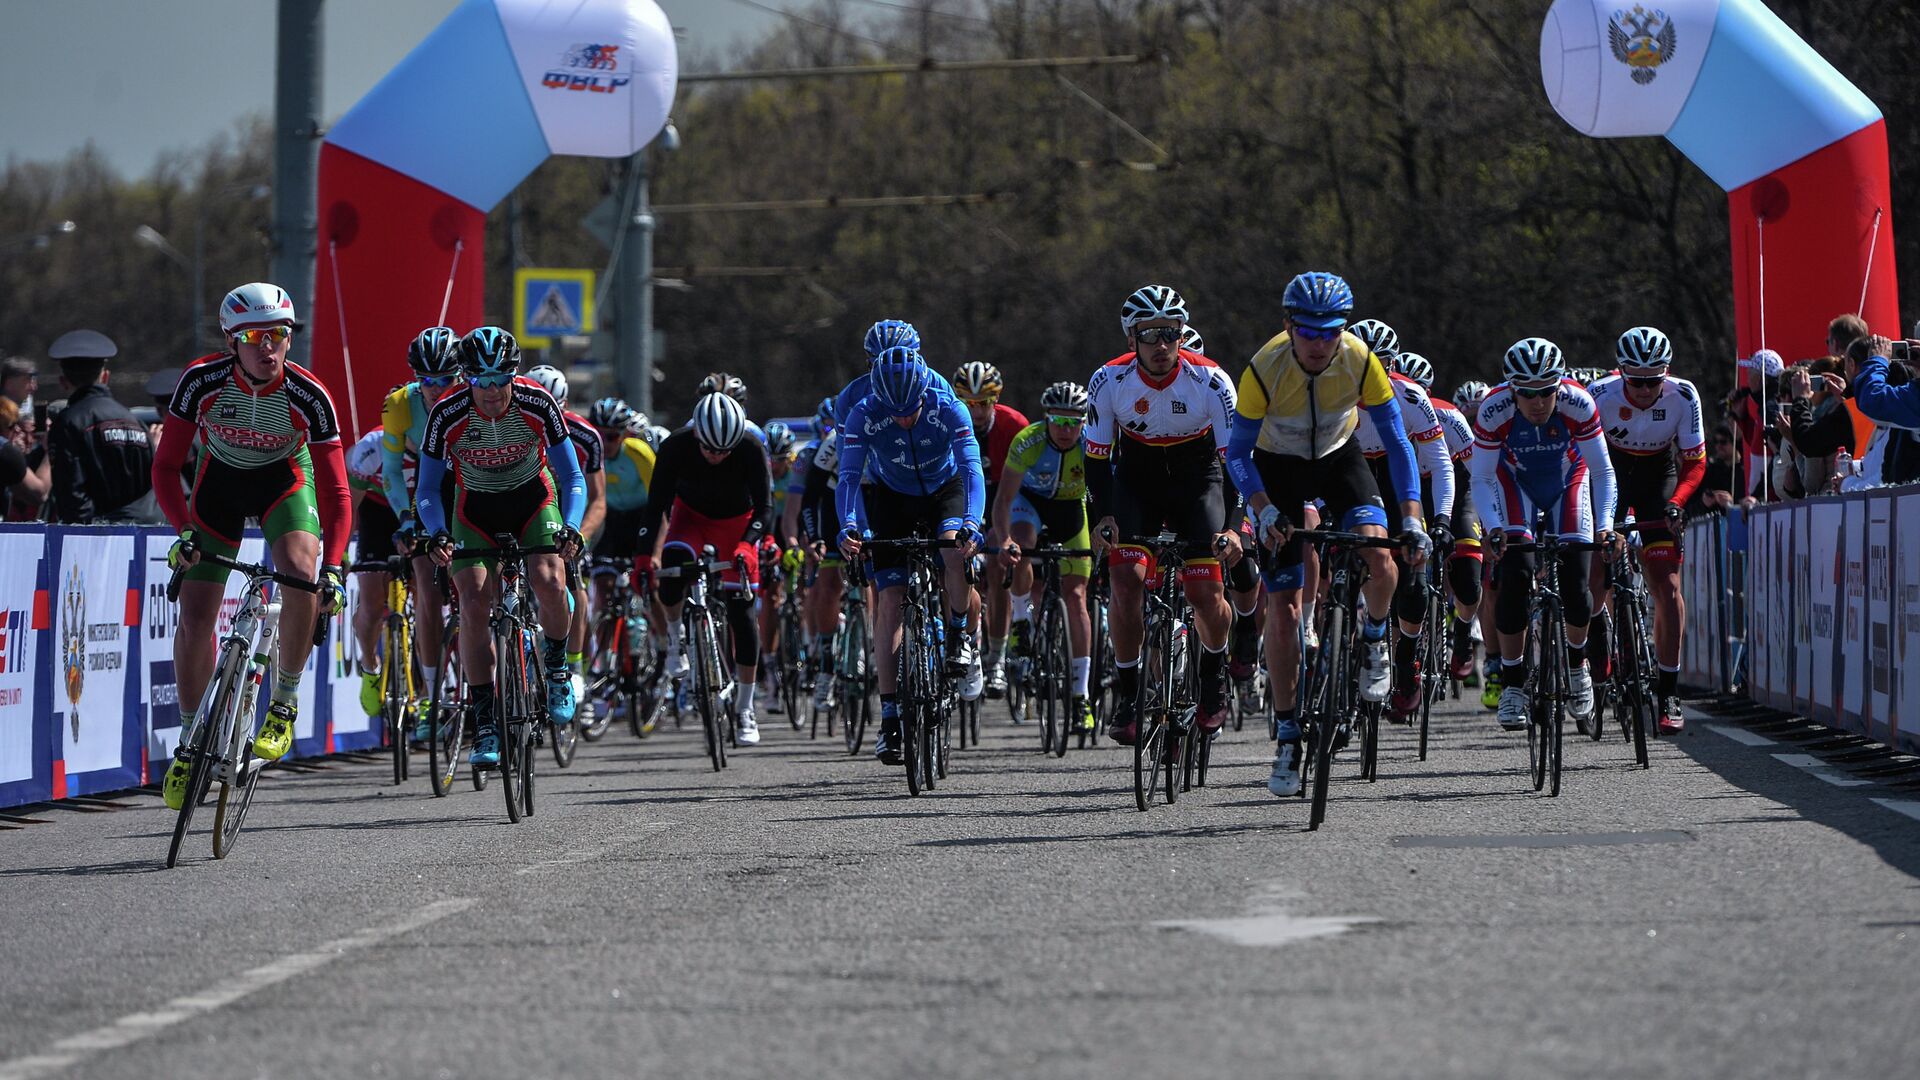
1057, 666
235, 797
1331, 663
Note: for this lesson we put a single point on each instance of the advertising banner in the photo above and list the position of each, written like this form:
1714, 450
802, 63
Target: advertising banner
1875, 661
23, 617
1826, 571
1849, 662
352, 728
1905, 716
96, 615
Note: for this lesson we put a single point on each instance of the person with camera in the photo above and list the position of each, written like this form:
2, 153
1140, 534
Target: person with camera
1818, 422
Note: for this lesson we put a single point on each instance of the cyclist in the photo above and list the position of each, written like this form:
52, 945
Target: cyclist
782, 450
1658, 443
271, 450
817, 529
1157, 421
1293, 442
1538, 445
1467, 398
374, 527
434, 359
1042, 498
918, 441
513, 458
733, 386
995, 426
880, 337
1464, 562
590, 450
628, 472
711, 484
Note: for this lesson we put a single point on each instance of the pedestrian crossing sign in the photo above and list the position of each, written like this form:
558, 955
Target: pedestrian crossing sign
550, 303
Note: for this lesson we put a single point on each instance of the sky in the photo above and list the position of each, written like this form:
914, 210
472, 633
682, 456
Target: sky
141, 77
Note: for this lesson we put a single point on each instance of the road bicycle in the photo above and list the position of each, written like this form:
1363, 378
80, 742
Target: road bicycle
1329, 681
520, 697
1548, 677
447, 704
620, 668
219, 746
1169, 695
1631, 693
1045, 676
708, 676
849, 666
927, 693
399, 678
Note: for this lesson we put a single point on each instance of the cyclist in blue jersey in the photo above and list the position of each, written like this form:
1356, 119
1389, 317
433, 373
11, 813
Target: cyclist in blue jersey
1538, 445
881, 336
916, 440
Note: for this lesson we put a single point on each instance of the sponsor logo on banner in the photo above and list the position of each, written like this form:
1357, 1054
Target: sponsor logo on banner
14, 628
588, 68
73, 644
23, 652
1643, 40
93, 646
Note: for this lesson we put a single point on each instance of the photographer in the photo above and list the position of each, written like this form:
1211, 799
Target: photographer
1818, 422
1757, 408
1881, 385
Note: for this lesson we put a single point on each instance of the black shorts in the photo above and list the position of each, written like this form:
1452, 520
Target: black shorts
1342, 480
1176, 488
893, 515
619, 535
373, 531
1646, 483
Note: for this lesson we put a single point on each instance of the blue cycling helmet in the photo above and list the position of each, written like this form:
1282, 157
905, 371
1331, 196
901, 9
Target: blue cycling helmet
1318, 300
823, 416
488, 350
900, 380
888, 333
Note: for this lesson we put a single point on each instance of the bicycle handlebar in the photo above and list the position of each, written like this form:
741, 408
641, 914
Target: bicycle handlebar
1325, 537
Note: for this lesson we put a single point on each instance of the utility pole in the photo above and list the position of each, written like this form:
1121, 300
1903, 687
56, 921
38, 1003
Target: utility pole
296, 149
633, 358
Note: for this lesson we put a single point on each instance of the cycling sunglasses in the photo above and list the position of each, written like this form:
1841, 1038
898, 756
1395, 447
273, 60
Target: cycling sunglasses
1308, 333
1154, 335
263, 335
490, 382
438, 382
1645, 382
1536, 392
1067, 419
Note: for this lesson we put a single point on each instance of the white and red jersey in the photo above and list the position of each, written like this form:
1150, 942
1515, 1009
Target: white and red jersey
1424, 431
1194, 400
1518, 465
1671, 427
1459, 430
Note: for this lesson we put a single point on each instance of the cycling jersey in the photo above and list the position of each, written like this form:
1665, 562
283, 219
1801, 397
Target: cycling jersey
817, 497
737, 489
403, 426
495, 455
1422, 423
1284, 410
1458, 429
587, 446
918, 460
1005, 426
1046, 470
861, 386
277, 451
364, 468
1671, 424
1518, 465
629, 466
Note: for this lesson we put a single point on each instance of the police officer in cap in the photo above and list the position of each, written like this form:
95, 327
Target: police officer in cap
102, 458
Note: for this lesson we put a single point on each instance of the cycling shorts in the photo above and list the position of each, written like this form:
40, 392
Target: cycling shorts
1571, 514
619, 535
1061, 522
1340, 481
373, 531
279, 495
695, 531
1178, 492
894, 515
1646, 484
529, 513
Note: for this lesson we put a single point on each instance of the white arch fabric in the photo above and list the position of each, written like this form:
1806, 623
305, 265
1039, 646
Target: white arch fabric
600, 73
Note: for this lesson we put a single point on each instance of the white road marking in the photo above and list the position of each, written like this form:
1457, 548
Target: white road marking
1269, 923
1902, 806
134, 1027
1821, 770
1740, 735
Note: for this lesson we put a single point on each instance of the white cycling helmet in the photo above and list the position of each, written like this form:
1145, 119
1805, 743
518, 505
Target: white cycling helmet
1378, 336
1469, 396
1534, 361
551, 378
1191, 341
1415, 367
1065, 398
977, 380
719, 422
1643, 350
1151, 302
258, 303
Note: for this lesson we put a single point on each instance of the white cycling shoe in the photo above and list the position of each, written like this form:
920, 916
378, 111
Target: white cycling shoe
973, 682
1285, 781
1580, 687
1376, 671
1513, 708
746, 732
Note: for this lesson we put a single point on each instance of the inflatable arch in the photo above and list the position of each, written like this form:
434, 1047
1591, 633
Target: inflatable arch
408, 174
1800, 151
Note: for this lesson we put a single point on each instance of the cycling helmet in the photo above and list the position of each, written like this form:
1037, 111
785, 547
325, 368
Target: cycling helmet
1150, 302
1064, 397
1378, 336
488, 350
823, 415
1470, 395
780, 442
1191, 341
900, 380
550, 378
255, 304
434, 352
722, 383
1534, 360
1318, 300
1415, 367
719, 422
888, 333
977, 381
1643, 350
610, 413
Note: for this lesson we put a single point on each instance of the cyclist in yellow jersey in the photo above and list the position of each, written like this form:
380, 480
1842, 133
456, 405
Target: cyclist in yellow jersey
1298, 407
403, 426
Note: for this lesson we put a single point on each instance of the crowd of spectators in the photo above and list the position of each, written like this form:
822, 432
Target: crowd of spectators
85, 459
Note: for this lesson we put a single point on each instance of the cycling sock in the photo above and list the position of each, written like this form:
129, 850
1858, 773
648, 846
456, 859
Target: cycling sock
368, 669
996, 651
1022, 607
890, 709
482, 696
748, 687
822, 644
1128, 673
673, 635
1513, 672
1082, 668
1404, 649
1283, 717
286, 686
1576, 657
1462, 636
1306, 613
555, 653
1665, 682
1372, 629
1245, 637
1213, 663
574, 658
1597, 639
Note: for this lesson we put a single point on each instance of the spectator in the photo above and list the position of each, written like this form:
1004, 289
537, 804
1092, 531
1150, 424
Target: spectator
29, 499
1725, 473
16, 478
1887, 395
1757, 436
1818, 421
18, 380
102, 461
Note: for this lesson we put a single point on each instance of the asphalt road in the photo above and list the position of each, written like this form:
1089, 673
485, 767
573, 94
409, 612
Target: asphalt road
1724, 913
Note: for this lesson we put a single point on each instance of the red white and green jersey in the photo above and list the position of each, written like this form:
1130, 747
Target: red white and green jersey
251, 427
500, 453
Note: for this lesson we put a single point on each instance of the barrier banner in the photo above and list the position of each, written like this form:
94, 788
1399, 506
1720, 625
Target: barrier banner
1799, 610
25, 758
96, 613
350, 727
1699, 586
159, 622
1906, 623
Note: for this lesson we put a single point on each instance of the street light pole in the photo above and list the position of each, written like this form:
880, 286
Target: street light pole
633, 363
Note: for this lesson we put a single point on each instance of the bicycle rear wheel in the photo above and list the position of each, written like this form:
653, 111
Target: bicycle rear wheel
791, 665
1056, 667
510, 708
1331, 663
851, 666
